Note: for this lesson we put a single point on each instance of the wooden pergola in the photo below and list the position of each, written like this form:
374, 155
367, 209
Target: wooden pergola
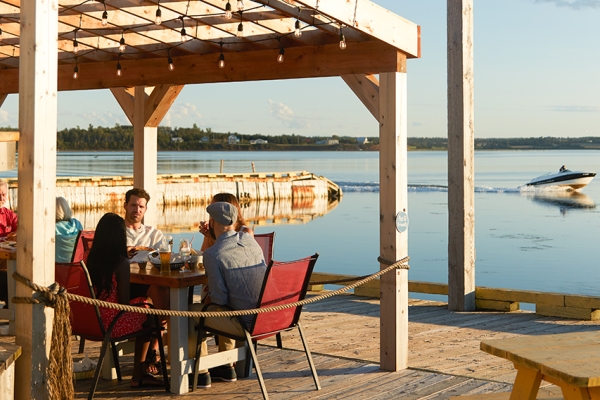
55, 45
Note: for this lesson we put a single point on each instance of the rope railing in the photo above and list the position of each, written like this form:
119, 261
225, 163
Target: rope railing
60, 368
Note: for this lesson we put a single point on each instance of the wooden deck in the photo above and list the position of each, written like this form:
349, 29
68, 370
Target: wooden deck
343, 333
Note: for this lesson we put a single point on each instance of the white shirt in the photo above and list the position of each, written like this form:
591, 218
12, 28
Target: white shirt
143, 236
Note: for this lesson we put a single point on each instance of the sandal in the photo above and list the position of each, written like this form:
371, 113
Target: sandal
147, 381
152, 365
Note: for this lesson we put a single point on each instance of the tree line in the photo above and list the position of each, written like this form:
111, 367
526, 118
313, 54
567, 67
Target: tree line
120, 137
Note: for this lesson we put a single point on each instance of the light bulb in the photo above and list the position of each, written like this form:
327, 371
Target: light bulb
119, 72
280, 55
240, 31
76, 72
0, 33
297, 32
342, 41
122, 46
171, 65
228, 13
240, 5
158, 19
104, 18
184, 37
222, 61
75, 46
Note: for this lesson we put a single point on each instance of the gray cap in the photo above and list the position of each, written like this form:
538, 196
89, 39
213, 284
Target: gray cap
222, 212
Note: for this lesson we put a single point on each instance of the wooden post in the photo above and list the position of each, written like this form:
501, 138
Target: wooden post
221, 169
461, 132
145, 154
37, 187
393, 199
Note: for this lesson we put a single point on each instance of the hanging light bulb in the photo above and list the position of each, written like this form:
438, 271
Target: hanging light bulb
184, 37
280, 55
240, 5
158, 17
122, 46
0, 28
342, 41
76, 70
240, 31
228, 13
222, 61
75, 46
297, 31
105, 17
170, 61
119, 71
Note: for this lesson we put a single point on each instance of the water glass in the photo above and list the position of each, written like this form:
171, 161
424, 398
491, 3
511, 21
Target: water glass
185, 250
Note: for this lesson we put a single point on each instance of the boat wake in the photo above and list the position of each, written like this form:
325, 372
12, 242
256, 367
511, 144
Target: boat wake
368, 187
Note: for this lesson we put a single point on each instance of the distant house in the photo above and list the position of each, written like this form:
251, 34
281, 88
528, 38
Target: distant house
328, 141
205, 139
259, 141
362, 140
176, 139
232, 139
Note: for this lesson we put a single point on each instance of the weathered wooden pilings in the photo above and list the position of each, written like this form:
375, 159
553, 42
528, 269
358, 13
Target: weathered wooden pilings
192, 189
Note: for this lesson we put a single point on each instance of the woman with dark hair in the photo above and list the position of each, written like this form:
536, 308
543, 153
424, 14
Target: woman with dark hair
240, 225
109, 271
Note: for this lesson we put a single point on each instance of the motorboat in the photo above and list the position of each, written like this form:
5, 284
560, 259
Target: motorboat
564, 177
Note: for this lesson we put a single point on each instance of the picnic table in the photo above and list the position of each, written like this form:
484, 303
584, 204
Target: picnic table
570, 361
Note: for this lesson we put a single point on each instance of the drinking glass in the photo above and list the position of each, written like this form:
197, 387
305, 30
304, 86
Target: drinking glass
165, 257
185, 250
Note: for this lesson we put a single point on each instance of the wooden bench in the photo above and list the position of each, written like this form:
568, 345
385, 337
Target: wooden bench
570, 361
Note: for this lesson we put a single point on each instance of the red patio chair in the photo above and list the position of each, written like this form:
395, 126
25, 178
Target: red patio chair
284, 283
79, 249
266, 241
87, 323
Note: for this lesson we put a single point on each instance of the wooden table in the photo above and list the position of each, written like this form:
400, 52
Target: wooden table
570, 361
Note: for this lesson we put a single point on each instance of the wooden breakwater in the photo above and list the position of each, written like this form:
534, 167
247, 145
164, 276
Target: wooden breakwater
105, 192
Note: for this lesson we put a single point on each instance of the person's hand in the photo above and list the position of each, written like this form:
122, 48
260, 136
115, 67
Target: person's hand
203, 228
131, 252
12, 236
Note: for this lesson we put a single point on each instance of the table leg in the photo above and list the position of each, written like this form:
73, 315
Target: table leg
178, 341
526, 384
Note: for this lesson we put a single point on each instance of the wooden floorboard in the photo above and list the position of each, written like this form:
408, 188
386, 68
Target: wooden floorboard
343, 335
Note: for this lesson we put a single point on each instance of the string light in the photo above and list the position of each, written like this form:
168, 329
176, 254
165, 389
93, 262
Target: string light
221, 57
280, 55
158, 17
122, 46
0, 28
104, 15
119, 71
170, 60
228, 13
240, 31
76, 70
342, 39
297, 31
184, 37
240, 5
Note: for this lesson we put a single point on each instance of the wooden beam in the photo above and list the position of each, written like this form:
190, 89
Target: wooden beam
159, 103
38, 111
125, 100
145, 153
461, 169
6, 136
366, 88
393, 155
3, 98
373, 20
300, 62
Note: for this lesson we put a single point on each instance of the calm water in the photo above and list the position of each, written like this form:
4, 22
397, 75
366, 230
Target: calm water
525, 239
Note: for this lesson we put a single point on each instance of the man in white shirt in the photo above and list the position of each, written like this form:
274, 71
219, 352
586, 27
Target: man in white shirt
138, 234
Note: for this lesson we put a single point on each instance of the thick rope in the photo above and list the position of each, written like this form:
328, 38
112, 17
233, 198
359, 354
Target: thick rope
400, 264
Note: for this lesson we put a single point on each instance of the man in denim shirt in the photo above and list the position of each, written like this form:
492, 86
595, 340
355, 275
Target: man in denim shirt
235, 268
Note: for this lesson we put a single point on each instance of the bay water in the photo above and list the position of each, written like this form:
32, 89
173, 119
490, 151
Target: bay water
526, 238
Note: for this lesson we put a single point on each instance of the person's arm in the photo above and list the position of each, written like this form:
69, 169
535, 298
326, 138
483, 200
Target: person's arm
217, 289
122, 274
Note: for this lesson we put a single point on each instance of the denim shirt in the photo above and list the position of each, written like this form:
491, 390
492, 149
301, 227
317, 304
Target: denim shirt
235, 268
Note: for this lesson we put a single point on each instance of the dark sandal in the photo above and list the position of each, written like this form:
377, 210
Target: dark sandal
147, 381
152, 365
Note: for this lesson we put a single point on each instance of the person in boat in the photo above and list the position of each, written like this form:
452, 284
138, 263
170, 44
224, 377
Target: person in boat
562, 169
235, 269
65, 231
8, 229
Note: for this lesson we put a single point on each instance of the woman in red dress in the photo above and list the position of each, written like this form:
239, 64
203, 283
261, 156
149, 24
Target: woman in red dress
109, 271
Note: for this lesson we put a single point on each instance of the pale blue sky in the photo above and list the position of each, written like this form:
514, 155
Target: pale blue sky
537, 73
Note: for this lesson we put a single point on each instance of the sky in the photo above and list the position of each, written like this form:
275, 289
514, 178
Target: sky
537, 73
